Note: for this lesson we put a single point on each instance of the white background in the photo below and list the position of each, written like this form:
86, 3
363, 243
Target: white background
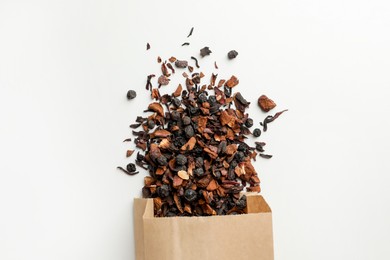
65, 68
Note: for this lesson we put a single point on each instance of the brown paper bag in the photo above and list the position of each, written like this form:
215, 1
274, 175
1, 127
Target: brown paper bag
246, 236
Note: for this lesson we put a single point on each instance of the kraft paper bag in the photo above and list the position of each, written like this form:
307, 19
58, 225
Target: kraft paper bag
231, 237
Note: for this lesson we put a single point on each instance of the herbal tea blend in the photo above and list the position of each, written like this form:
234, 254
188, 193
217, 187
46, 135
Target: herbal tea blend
193, 142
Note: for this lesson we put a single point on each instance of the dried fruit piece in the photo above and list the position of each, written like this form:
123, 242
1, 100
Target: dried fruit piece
178, 91
181, 64
183, 174
163, 80
129, 153
265, 103
172, 59
156, 107
189, 145
232, 82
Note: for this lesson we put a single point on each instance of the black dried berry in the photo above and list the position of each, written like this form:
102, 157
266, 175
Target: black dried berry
151, 124
163, 191
193, 110
240, 156
162, 160
198, 172
131, 94
217, 174
212, 99
241, 203
171, 214
232, 54
131, 167
233, 164
202, 98
199, 162
190, 195
181, 159
189, 131
176, 102
249, 122
175, 115
186, 120
256, 132
242, 147
140, 157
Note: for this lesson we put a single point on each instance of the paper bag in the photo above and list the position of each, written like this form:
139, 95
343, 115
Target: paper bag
231, 237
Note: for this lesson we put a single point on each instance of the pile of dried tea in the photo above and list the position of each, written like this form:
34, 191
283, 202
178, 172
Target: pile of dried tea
193, 143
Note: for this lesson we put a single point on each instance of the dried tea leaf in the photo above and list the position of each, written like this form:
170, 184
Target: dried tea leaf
125, 171
171, 68
192, 30
205, 51
266, 156
196, 61
270, 119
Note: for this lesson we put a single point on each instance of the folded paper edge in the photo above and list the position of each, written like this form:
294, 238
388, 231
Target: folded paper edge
256, 204
139, 211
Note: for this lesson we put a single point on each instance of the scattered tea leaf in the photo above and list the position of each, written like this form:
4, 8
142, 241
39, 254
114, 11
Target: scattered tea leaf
205, 51
191, 31
196, 62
